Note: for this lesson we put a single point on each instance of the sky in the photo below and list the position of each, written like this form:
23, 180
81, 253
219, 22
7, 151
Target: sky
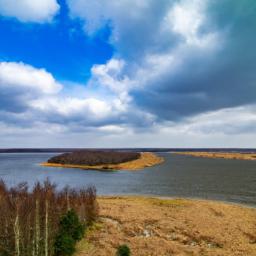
128, 73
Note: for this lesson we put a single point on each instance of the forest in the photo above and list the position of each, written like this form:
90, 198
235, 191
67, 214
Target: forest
94, 157
44, 220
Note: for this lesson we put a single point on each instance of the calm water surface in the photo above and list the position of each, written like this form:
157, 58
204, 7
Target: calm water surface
182, 176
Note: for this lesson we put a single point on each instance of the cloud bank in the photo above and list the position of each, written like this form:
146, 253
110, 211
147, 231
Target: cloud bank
181, 55
181, 70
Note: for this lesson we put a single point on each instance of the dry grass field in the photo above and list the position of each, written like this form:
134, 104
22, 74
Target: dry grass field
241, 156
161, 227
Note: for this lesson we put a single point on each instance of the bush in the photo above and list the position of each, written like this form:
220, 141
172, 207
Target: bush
71, 230
92, 209
123, 250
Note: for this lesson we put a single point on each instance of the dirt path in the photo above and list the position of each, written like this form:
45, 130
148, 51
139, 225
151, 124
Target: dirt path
152, 226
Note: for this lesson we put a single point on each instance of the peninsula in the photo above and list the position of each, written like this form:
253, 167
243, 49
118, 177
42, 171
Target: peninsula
104, 160
225, 155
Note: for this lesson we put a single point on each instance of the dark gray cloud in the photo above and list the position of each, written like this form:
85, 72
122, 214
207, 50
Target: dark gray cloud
211, 44
136, 25
206, 81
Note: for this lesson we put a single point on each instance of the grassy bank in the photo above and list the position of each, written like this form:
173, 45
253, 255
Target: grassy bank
145, 160
158, 227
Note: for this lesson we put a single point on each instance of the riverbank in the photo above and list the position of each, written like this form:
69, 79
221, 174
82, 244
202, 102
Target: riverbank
146, 160
157, 227
225, 155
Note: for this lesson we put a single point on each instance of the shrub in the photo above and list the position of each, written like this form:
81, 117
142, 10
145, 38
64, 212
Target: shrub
91, 209
123, 250
71, 230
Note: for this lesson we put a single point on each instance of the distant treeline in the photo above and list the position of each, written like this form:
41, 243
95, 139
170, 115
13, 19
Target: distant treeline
62, 150
30, 220
85, 157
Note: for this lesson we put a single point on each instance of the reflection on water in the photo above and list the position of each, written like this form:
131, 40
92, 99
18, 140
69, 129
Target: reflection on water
183, 176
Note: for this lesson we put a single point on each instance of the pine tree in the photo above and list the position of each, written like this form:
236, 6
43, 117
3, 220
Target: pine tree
123, 250
71, 230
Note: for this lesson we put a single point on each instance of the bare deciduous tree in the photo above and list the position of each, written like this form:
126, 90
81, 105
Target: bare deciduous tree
29, 219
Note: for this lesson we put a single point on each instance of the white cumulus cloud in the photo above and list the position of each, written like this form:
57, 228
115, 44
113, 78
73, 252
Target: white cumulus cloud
29, 95
29, 10
20, 76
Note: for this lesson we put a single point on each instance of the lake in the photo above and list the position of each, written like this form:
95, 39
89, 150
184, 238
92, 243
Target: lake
178, 176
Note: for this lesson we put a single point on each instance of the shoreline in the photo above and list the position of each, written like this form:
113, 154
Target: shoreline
146, 159
223, 155
194, 199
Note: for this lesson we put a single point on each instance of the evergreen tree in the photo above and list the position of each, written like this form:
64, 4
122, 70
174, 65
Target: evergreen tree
123, 250
64, 245
71, 230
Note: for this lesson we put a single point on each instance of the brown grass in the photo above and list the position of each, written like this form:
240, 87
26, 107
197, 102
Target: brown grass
146, 160
241, 156
160, 227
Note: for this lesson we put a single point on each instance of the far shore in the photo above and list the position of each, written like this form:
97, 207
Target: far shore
180, 226
225, 155
146, 160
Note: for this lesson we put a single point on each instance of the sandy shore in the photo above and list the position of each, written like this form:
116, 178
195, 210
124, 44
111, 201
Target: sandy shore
241, 156
158, 227
146, 160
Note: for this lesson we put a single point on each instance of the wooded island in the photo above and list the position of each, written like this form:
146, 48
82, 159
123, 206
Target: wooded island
104, 160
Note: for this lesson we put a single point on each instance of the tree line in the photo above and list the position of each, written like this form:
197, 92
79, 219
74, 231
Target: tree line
31, 221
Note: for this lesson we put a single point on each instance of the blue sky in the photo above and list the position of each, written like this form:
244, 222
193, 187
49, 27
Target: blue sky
61, 47
105, 73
